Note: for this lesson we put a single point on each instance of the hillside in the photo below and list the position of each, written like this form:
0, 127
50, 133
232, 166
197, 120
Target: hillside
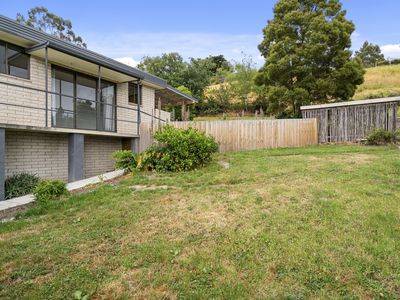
380, 82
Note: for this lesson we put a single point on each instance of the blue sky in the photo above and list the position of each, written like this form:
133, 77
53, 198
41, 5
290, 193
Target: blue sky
129, 30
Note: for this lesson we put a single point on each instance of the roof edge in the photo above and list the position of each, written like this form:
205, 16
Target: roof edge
351, 103
176, 91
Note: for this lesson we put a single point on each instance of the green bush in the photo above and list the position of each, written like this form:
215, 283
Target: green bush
48, 190
397, 135
125, 159
179, 150
20, 185
150, 158
381, 137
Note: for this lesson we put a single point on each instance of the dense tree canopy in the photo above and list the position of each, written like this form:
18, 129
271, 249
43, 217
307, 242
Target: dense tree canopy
306, 47
169, 66
370, 55
40, 18
195, 74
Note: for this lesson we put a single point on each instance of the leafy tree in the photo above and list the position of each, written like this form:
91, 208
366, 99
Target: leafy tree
308, 59
40, 18
197, 75
218, 62
217, 99
370, 55
242, 81
169, 66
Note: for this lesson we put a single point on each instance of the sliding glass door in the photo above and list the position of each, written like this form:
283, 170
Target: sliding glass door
75, 102
106, 112
85, 102
63, 99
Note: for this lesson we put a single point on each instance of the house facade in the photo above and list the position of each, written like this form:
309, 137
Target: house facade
65, 109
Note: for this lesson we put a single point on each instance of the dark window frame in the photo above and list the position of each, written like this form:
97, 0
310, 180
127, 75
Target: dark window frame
20, 50
139, 91
97, 100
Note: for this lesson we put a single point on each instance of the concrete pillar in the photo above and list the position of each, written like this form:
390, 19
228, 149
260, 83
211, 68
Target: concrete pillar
135, 145
2, 162
76, 150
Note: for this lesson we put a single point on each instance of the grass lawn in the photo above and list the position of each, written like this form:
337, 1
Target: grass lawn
318, 222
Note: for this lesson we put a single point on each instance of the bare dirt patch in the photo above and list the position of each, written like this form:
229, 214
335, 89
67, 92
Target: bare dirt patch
141, 188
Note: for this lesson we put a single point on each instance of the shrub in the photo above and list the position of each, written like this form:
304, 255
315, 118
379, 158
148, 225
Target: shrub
381, 137
48, 190
125, 159
397, 135
179, 150
20, 185
149, 159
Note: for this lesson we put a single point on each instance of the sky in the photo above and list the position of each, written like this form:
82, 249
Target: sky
129, 30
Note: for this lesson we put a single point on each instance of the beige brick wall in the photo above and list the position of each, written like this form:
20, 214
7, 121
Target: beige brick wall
26, 97
46, 154
43, 154
147, 109
98, 154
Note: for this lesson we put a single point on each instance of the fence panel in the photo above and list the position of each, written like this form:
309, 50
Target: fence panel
238, 135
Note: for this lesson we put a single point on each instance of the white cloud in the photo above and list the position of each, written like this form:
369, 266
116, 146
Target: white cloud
391, 50
128, 61
356, 41
132, 47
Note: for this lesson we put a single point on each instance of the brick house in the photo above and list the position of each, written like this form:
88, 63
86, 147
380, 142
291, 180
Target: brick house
65, 109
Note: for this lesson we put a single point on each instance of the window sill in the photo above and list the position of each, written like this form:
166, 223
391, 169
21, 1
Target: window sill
134, 104
15, 77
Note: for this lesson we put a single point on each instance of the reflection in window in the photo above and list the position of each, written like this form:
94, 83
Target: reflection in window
133, 93
2, 57
85, 102
106, 108
13, 60
75, 103
63, 101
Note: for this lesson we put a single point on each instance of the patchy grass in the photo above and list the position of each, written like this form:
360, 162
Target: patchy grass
380, 82
318, 222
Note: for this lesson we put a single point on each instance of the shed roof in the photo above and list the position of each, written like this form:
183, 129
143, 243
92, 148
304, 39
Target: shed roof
351, 103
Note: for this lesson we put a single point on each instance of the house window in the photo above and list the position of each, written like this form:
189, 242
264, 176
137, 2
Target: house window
134, 90
76, 103
13, 60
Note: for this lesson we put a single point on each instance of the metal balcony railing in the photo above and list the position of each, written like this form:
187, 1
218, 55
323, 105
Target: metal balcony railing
10, 99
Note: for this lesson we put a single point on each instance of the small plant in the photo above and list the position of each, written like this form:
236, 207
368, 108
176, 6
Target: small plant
48, 190
397, 135
380, 137
125, 159
78, 295
20, 185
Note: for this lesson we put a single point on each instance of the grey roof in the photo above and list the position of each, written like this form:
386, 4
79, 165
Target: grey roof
351, 103
11, 26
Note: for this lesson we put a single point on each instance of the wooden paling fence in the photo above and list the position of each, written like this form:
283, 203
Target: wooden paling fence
238, 135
